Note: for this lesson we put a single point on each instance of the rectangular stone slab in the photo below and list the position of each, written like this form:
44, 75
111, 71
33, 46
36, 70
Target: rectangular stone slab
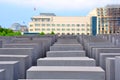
65, 48
36, 48
11, 69
66, 53
65, 61
2, 74
23, 62
19, 51
60, 72
104, 50
110, 69
55, 79
117, 68
104, 56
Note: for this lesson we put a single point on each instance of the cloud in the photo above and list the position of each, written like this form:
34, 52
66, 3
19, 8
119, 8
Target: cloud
60, 4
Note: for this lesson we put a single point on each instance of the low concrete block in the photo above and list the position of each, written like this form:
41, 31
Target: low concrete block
2, 74
66, 48
11, 69
59, 72
66, 61
66, 53
110, 69
19, 51
23, 62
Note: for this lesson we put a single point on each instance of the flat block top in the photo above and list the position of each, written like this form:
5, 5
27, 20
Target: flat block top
66, 58
8, 62
65, 68
67, 51
1, 70
22, 44
15, 48
109, 53
14, 56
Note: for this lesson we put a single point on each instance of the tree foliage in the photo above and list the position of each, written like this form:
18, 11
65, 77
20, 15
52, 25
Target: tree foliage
8, 32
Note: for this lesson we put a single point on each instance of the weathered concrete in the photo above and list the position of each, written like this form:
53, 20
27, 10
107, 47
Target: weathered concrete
117, 68
11, 69
110, 69
66, 61
19, 51
104, 56
2, 74
58, 72
66, 53
23, 62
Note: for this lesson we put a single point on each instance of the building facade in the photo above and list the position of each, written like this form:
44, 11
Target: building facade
108, 19
48, 23
105, 20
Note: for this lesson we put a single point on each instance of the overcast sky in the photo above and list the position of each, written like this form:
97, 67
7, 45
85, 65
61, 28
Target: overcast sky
21, 11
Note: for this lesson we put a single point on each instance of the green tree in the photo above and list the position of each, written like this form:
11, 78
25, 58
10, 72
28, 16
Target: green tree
42, 33
52, 33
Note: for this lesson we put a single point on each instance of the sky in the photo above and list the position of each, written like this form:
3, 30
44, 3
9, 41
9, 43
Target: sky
21, 11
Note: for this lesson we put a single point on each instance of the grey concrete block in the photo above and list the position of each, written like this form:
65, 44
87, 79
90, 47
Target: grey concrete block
19, 51
11, 69
2, 74
66, 53
97, 52
36, 48
59, 72
117, 68
66, 48
66, 61
56, 79
110, 69
1, 44
104, 56
23, 62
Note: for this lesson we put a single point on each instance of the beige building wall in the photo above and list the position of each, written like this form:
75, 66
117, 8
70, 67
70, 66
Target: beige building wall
60, 25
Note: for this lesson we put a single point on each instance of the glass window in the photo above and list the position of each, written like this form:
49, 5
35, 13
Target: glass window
58, 29
53, 24
68, 25
43, 24
31, 25
78, 29
37, 24
73, 24
83, 29
43, 29
31, 29
48, 29
58, 24
63, 24
83, 25
48, 24
68, 29
53, 29
78, 25
73, 29
37, 29
63, 29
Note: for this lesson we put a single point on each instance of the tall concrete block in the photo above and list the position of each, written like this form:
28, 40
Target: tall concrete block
2, 74
66, 53
104, 56
110, 69
11, 69
104, 50
23, 62
117, 68
59, 72
66, 61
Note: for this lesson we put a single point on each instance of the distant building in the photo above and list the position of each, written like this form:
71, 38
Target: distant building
104, 20
19, 27
108, 19
47, 23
